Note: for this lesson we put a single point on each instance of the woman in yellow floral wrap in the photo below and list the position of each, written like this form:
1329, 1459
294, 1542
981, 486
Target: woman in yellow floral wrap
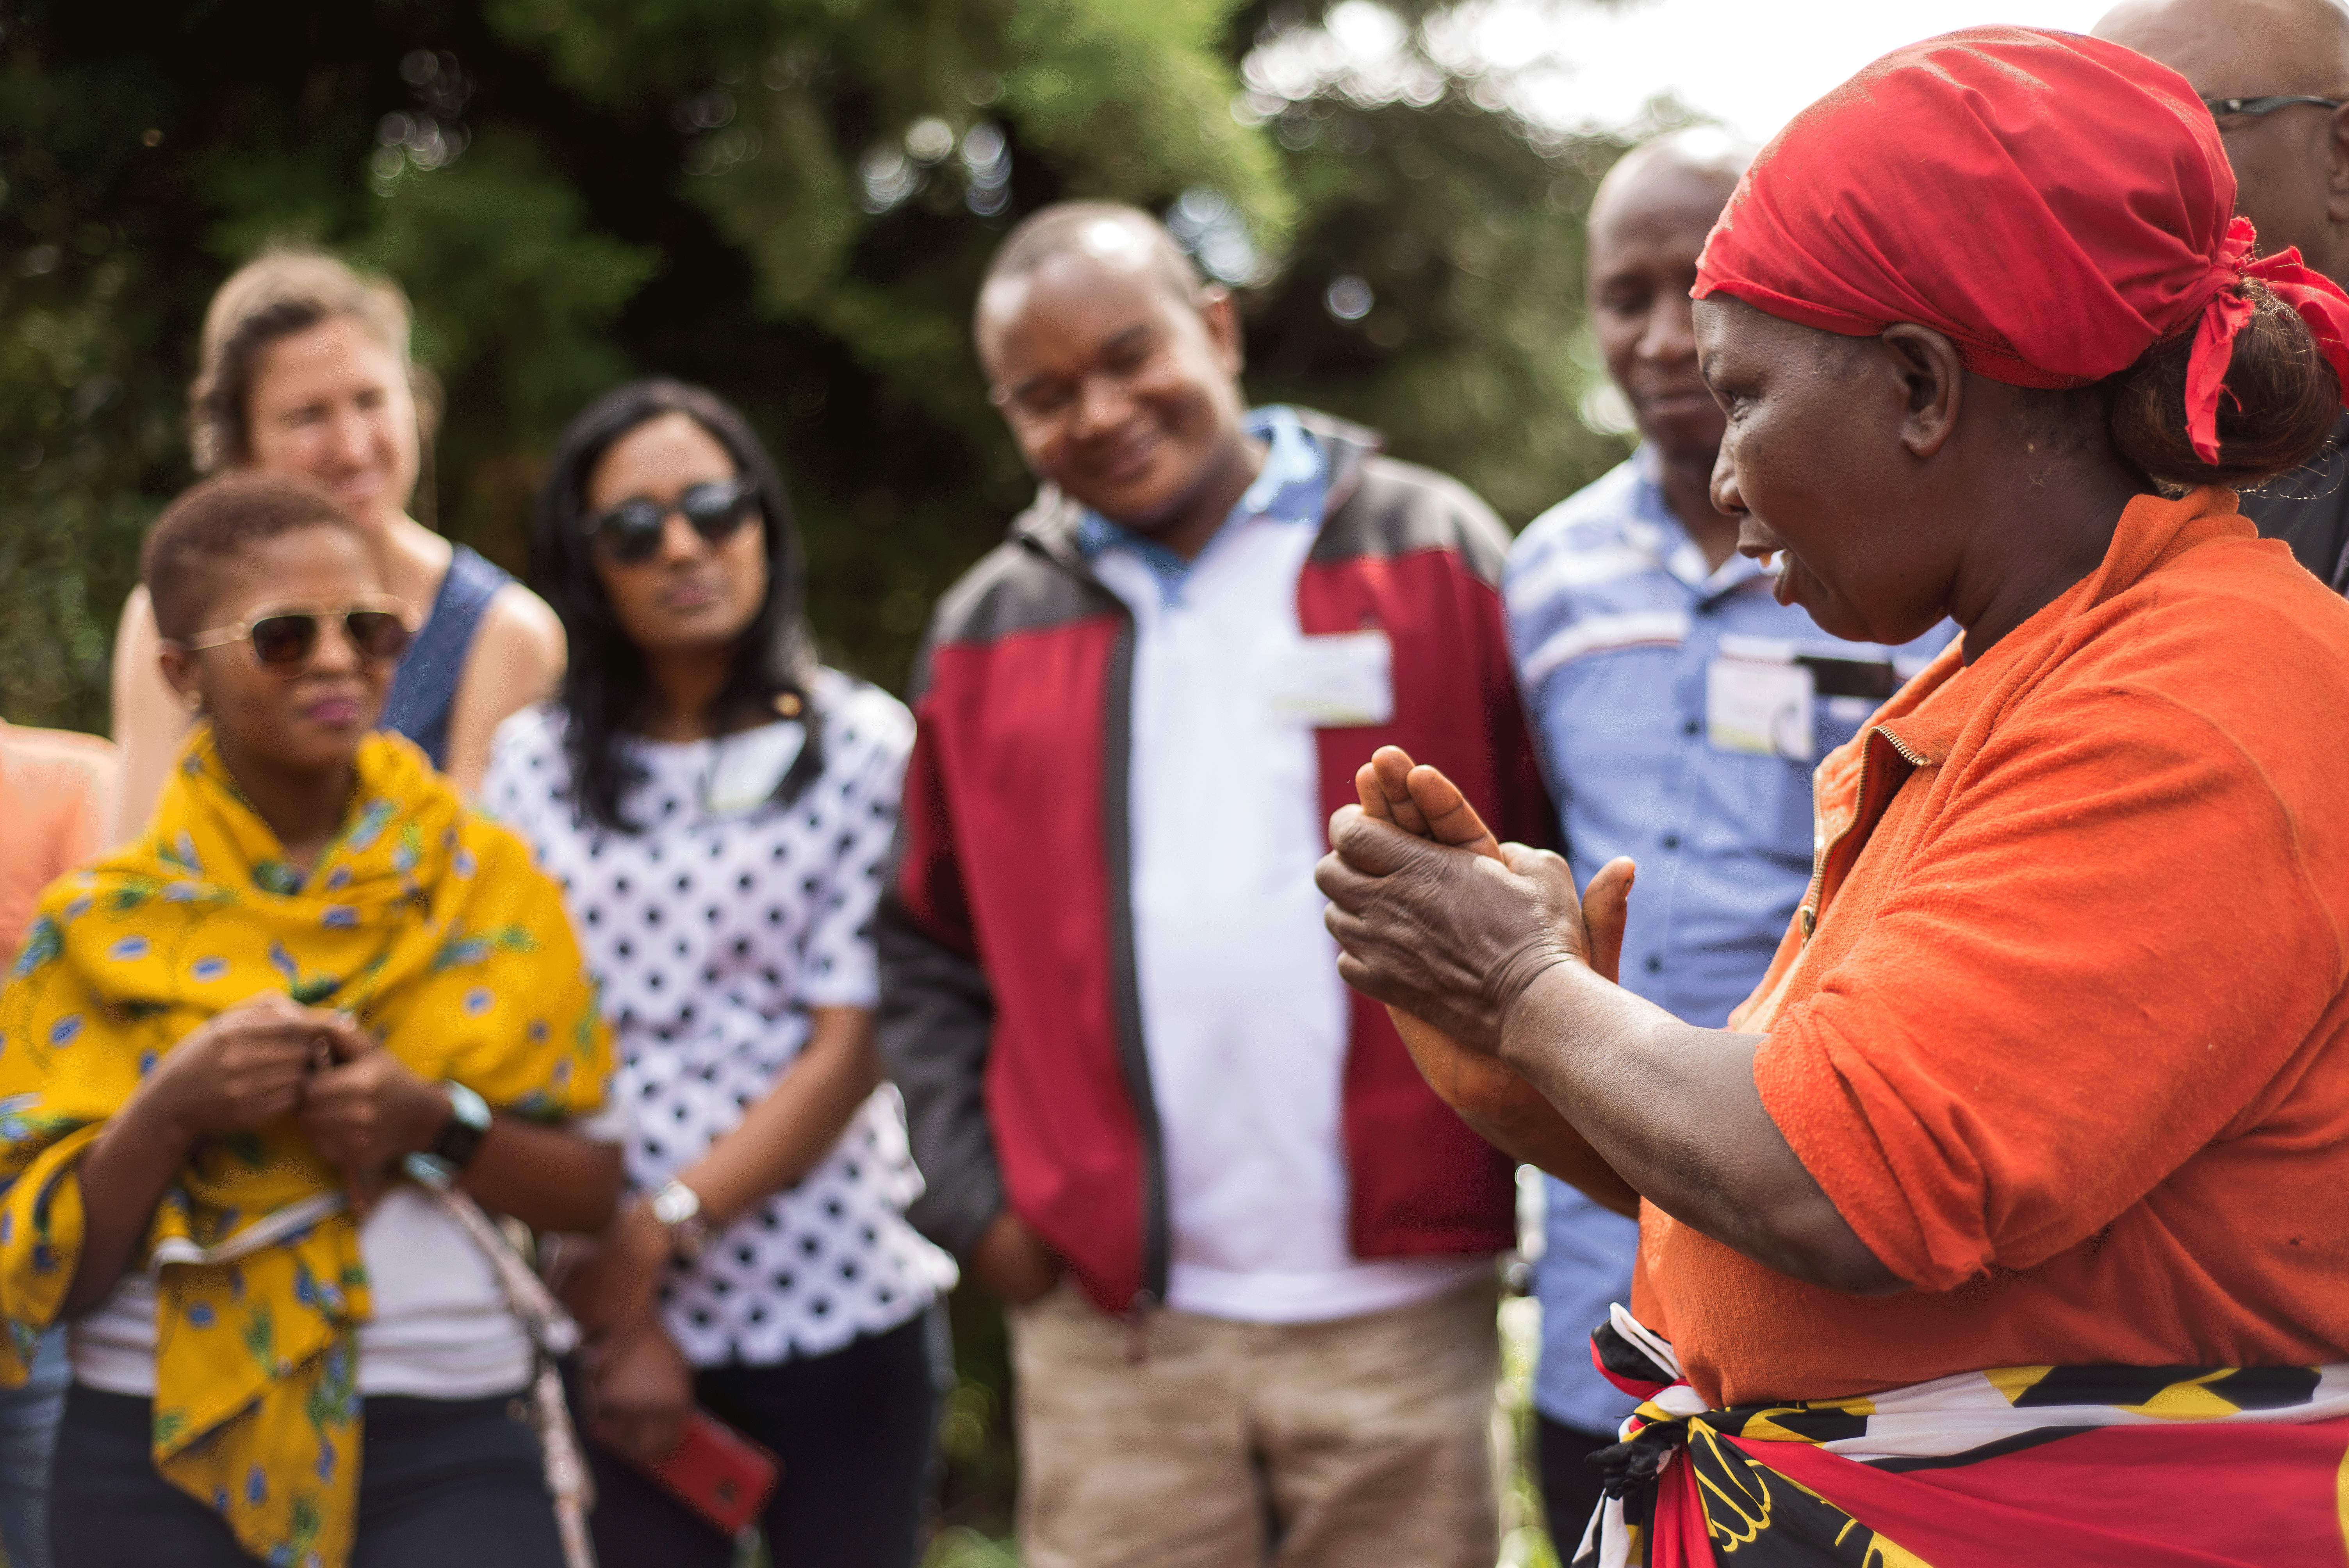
228, 1054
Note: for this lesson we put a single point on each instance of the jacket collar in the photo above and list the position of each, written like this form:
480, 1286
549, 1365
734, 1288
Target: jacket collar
1050, 522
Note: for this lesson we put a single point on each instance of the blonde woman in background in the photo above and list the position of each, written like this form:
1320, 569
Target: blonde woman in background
306, 371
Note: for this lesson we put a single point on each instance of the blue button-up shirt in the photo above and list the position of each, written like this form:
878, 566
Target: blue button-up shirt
1615, 617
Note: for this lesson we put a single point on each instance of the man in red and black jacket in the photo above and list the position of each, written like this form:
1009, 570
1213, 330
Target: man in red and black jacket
1249, 1254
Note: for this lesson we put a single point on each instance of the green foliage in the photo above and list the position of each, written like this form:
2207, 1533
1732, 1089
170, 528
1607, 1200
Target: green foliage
789, 199
1468, 240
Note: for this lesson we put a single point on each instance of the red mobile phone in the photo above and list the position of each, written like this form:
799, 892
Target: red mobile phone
718, 1474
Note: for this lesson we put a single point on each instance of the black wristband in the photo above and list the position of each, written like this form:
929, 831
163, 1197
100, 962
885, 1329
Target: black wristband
461, 1138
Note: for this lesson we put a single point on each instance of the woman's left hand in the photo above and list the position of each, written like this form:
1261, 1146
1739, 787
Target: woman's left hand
1447, 934
370, 1109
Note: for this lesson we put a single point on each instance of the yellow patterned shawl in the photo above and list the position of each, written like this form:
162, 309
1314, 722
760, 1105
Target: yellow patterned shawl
427, 923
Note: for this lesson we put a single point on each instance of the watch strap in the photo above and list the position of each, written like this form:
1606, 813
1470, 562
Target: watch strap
467, 1124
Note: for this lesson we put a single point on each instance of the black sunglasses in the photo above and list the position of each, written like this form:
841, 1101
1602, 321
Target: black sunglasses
631, 531
285, 636
2259, 105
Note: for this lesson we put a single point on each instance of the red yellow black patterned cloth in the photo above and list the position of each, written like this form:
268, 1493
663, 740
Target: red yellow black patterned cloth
2091, 1466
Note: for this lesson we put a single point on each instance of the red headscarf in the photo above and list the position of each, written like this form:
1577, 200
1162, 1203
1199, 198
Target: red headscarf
2054, 204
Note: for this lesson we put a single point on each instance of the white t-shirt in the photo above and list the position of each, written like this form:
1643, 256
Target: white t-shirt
1242, 1009
713, 931
439, 1328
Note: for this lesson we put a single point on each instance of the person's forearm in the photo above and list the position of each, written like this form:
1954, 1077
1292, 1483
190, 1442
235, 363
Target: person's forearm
124, 1175
549, 1178
1673, 1107
781, 1137
1548, 1142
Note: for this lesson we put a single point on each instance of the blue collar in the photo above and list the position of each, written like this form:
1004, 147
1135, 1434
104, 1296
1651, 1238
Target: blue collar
1654, 529
1292, 488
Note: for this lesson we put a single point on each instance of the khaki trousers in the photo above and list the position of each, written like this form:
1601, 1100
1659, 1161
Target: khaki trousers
1355, 1444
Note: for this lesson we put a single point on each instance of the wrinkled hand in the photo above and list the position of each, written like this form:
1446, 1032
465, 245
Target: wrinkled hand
368, 1111
640, 1392
1478, 1086
244, 1067
1452, 932
1486, 1093
1013, 1262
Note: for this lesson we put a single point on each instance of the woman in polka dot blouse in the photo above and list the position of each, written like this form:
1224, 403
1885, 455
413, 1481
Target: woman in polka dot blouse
719, 808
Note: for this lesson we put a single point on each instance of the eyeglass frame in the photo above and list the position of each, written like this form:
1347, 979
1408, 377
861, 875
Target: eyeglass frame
338, 610
2253, 107
747, 497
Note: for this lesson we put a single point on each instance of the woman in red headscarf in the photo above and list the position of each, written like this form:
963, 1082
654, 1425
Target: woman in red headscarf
2004, 1223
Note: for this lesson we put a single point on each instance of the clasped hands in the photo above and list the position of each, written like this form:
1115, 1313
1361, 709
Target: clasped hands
361, 1108
1449, 927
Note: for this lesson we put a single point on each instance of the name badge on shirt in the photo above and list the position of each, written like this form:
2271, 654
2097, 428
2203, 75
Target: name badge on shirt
1759, 706
1335, 682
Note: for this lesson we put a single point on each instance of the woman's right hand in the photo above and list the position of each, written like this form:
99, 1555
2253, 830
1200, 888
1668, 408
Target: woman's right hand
242, 1068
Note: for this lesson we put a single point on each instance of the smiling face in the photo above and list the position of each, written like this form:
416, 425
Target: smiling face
332, 401
690, 595
314, 722
1818, 465
1644, 243
1119, 391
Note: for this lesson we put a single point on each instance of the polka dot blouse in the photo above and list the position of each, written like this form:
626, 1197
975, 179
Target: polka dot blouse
712, 935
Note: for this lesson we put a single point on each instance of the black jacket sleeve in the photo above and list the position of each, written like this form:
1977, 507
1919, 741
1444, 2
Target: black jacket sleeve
937, 1016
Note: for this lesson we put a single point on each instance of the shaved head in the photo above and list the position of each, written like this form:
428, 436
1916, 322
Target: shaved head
1684, 162
2292, 163
1648, 220
1105, 234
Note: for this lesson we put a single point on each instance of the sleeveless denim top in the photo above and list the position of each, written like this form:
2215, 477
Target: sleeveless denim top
425, 687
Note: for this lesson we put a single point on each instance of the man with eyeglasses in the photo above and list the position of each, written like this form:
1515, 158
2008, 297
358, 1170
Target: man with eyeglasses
2275, 75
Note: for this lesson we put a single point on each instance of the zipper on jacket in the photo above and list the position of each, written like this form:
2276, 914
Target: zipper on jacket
1815, 895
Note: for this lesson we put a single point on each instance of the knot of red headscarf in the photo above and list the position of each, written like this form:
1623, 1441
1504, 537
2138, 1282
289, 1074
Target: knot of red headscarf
2317, 298
2055, 205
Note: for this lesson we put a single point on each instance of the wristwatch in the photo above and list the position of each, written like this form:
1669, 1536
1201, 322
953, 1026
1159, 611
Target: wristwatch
459, 1141
677, 1207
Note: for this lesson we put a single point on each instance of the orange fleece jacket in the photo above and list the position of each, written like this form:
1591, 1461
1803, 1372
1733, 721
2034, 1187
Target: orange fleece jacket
2066, 1044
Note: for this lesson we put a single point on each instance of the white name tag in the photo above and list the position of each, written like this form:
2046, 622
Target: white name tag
1335, 682
1759, 708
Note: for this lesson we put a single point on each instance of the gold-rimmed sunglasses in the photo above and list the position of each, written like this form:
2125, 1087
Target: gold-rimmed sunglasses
286, 636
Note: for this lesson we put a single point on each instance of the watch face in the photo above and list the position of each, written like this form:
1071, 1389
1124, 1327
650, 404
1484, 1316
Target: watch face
675, 1204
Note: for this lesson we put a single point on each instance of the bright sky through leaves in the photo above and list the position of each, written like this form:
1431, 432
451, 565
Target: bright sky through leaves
1579, 64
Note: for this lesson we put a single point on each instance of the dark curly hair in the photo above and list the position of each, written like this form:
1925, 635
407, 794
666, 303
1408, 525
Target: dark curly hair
603, 694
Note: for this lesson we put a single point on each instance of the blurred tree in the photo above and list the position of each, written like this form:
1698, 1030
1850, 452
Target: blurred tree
788, 199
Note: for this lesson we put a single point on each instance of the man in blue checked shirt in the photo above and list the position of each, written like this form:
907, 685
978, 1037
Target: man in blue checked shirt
1678, 708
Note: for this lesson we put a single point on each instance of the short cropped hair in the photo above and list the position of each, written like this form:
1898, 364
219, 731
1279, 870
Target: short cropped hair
221, 518
1066, 226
